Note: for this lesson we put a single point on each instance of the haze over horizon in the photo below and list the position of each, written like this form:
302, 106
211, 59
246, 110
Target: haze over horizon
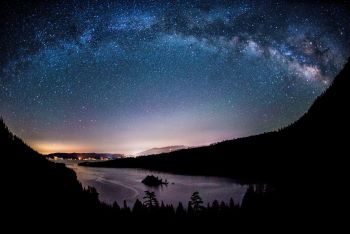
120, 77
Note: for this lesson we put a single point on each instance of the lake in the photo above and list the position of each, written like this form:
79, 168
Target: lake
119, 184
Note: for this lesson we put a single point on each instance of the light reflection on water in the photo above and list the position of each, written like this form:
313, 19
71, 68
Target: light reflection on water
114, 184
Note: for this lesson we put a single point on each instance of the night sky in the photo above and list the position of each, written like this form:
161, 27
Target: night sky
123, 77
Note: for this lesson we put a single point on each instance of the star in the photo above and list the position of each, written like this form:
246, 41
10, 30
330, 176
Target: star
115, 75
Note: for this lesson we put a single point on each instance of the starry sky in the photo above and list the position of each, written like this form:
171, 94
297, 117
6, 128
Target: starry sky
125, 76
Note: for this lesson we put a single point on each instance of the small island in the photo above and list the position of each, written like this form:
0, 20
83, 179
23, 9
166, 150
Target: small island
152, 180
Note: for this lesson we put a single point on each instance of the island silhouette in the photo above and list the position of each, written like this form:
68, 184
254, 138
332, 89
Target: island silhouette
152, 180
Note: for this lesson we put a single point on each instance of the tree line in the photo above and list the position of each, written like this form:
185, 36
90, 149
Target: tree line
259, 204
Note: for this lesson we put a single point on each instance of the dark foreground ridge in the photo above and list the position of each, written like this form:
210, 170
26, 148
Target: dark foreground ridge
32, 184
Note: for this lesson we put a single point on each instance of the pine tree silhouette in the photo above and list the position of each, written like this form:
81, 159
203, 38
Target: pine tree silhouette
137, 208
196, 202
150, 200
180, 211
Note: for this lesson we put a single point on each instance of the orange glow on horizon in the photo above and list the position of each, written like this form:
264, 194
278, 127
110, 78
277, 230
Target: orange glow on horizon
54, 147
137, 145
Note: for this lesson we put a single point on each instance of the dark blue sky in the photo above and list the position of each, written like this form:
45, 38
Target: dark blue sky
113, 76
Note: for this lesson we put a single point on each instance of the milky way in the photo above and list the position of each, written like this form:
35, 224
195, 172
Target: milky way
127, 76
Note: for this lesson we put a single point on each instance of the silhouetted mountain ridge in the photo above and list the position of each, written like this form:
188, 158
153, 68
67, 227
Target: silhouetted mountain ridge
33, 184
288, 153
160, 150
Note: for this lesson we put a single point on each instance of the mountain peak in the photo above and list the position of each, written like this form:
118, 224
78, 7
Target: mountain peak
160, 150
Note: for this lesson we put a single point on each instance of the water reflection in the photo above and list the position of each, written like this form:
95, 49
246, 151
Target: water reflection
125, 184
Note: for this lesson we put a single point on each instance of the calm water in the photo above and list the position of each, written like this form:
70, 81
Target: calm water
115, 184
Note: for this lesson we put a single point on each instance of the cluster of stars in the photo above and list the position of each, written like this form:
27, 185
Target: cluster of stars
109, 76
